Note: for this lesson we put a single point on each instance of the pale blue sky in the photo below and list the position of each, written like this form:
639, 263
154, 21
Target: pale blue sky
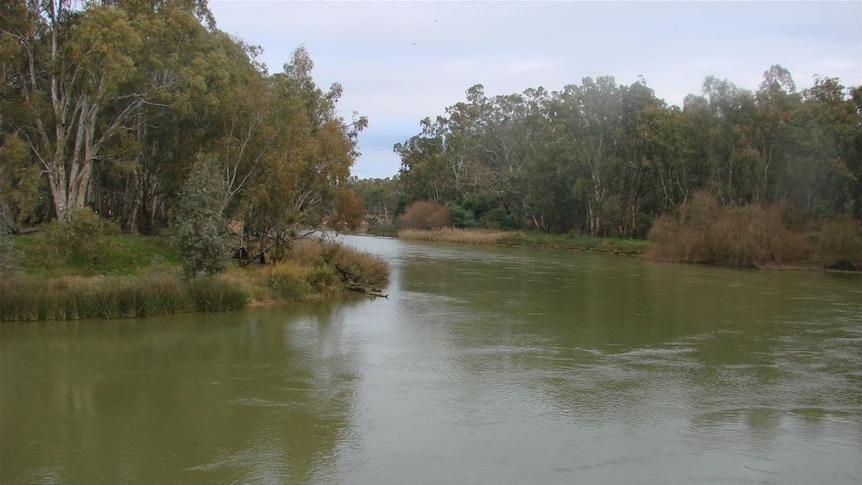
402, 61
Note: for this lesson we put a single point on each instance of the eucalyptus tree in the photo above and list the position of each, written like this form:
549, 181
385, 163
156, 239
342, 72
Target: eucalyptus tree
176, 68
74, 65
777, 105
426, 172
306, 163
825, 167
599, 133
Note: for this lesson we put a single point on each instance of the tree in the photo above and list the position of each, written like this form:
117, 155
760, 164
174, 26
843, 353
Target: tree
307, 162
73, 91
199, 225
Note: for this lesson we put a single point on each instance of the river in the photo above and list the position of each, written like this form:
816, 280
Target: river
484, 365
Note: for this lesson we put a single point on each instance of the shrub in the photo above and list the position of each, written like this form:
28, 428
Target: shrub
425, 215
840, 240
498, 218
199, 225
459, 216
82, 236
338, 259
287, 281
701, 211
753, 235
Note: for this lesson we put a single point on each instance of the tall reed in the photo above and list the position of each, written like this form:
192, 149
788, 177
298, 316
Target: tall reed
71, 298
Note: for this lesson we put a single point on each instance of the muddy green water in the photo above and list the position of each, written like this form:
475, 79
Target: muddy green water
484, 365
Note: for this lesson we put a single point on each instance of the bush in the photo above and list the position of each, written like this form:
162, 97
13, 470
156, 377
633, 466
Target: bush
82, 236
287, 281
753, 235
199, 226
459, 216
840, 240
424, 215
498, 218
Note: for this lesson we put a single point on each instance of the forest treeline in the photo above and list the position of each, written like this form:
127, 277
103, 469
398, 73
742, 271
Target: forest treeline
109, 104
607, 159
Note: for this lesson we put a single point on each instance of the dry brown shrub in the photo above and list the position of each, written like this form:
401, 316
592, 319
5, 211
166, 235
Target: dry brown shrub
840, 240
665, 238
366, 268
705, 232
701, 211
461, 236
424, 214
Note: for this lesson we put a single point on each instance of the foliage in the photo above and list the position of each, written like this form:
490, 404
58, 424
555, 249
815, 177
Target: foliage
287, 280
8, 255
109, 105
82, 238
606, 159
364, 267
348, 211
424, 214
199, 226
752, 235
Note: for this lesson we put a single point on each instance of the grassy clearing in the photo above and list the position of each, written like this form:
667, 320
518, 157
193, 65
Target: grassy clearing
529, 239
121, 255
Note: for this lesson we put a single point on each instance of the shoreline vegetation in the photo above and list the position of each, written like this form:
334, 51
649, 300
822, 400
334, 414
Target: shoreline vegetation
532, 239
702, 231
690, 248
140, 276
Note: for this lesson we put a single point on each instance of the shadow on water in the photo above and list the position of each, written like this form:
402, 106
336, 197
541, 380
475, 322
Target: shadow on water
263, 396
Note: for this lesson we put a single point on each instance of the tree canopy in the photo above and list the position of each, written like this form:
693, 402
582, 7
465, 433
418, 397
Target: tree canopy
109, 104
605, 159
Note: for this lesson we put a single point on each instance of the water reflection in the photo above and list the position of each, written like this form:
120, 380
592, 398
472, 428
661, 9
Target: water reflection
485, 365
265, 397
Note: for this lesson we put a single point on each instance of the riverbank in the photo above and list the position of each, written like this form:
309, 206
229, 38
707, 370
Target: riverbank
527, 239
136, 276
828, 250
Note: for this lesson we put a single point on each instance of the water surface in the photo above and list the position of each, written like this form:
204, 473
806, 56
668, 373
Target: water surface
484, 365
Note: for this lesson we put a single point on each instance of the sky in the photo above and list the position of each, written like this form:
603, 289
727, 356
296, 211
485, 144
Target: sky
400, 62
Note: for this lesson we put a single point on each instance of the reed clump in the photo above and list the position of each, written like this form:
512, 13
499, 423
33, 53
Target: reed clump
74, 297
486, 237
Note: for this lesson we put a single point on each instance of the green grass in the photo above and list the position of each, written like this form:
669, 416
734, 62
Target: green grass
124, 255
136, 276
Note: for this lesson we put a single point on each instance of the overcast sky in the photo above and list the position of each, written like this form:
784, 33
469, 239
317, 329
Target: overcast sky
402, 61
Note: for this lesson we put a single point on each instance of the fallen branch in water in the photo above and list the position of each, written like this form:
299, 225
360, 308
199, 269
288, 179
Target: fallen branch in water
353, 284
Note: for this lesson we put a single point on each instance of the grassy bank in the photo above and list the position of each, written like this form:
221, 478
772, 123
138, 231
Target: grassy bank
526, 239
76, 297
138, 276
